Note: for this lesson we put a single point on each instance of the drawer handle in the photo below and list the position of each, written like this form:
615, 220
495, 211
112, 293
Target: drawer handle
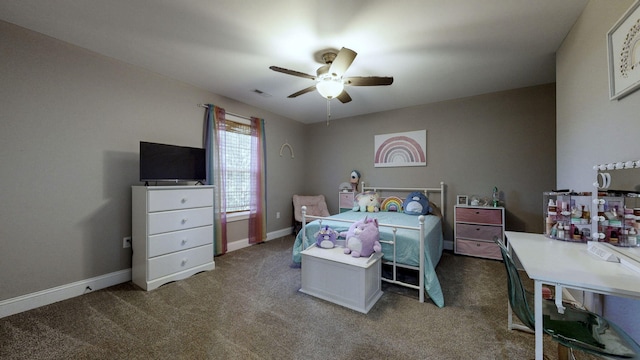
184, 241
184, 221
184, 262
184, 200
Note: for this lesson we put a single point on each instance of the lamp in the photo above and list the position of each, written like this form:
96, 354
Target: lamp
329, 86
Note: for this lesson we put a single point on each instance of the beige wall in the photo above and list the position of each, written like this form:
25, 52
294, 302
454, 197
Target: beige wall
70, 125
71, 121
504, 139
591, 128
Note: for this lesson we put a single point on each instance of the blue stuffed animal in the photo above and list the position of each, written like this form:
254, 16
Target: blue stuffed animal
416, 203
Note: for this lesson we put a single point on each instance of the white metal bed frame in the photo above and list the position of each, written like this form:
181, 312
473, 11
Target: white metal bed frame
394, 228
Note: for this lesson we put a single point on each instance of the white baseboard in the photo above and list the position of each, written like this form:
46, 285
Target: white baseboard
49, 296
240, 244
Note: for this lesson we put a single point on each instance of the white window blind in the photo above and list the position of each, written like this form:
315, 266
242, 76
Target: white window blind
238, 166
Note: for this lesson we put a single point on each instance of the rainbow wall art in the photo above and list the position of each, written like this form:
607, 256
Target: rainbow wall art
401, 149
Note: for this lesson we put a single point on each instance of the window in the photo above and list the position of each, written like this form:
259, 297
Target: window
238, 164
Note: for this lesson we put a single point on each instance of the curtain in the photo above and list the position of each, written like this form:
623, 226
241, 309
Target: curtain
215, 125
258, 202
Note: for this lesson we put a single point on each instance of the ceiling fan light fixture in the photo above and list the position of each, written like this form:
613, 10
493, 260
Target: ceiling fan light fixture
329, 87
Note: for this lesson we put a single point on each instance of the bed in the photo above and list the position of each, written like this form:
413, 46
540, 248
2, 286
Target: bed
399, 234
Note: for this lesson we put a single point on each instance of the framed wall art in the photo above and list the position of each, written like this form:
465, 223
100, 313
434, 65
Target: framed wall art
400, 149
623, 47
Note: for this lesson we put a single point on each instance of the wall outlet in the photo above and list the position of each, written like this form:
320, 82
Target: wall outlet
126, 242
278, 215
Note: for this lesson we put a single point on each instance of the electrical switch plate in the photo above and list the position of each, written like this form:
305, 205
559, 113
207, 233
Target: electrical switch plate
126, 242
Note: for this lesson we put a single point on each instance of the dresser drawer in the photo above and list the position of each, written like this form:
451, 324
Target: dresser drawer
161, 222
485, 216
480, 232
346, 200
478, 248
172, 263
175, 199
179, 240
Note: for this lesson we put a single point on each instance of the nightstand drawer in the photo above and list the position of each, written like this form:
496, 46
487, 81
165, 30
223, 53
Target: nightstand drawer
477, 215
479, 232
478, 248
346, 199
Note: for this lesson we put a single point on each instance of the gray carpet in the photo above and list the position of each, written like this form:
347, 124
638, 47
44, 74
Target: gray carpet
249, 307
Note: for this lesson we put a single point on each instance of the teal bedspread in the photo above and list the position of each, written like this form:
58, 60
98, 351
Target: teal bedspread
407, 248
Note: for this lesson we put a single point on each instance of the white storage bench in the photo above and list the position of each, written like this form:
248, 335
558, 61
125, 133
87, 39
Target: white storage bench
331, 275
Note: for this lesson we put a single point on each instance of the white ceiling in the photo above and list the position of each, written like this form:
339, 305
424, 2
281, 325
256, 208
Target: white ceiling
435, 49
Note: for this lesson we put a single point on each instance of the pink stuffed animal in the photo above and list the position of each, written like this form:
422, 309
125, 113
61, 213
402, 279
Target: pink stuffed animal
362, 238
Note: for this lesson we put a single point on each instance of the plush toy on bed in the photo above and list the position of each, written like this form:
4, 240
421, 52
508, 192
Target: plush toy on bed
416, 203
367, 202
326, 237
362, 238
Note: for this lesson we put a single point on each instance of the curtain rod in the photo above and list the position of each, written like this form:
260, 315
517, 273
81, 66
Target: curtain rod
226, 112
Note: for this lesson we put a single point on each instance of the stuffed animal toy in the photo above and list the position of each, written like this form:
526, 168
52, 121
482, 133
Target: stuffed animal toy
416, 203
355, 178
362, 238
326, 237
367, 202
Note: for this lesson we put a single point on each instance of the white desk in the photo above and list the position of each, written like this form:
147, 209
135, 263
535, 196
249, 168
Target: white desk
567, 264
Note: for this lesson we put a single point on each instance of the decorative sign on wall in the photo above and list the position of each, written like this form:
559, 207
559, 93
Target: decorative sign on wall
401, 149
623, 46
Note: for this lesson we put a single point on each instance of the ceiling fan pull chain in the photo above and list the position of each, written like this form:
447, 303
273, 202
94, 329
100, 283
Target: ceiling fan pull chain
328, 111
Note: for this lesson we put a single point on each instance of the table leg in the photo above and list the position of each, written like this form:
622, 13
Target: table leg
537, 285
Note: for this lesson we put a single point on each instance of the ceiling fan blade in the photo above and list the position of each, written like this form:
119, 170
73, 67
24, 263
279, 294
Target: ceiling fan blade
292, 72
344, 97
303, 91
368, 80
342, 61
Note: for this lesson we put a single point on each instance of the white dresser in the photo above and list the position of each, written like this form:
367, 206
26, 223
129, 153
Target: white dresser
172, 233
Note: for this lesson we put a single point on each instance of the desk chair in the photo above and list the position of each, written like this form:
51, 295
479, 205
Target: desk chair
575, 329
316, 206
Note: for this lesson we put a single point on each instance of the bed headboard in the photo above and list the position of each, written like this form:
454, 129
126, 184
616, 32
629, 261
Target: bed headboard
428, 191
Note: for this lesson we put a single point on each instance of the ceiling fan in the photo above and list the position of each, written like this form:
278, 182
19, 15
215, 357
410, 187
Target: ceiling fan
329, 78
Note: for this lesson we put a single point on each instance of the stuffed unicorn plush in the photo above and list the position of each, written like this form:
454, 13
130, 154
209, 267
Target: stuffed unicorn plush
362, 238
367, 202
326, 237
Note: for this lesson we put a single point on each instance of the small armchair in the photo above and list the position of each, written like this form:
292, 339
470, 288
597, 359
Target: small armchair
575, 329
316, 206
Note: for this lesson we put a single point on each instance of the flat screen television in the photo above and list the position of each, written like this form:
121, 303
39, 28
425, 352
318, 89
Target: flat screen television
164, 162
